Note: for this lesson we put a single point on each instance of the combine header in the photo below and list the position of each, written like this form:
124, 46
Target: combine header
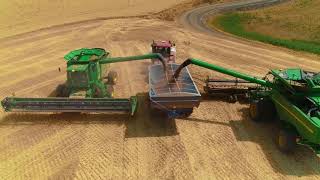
291, 96
232, 89
85, 89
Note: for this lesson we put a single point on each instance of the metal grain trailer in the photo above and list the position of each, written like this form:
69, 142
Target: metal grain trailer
177, 98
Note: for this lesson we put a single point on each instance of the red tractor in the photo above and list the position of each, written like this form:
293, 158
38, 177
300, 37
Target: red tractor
166, 48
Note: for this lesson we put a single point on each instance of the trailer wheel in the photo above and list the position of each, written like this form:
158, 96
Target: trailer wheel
112, 77
287, 140
186, 113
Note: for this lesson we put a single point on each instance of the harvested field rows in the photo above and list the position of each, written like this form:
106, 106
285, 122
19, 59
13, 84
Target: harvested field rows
218, 140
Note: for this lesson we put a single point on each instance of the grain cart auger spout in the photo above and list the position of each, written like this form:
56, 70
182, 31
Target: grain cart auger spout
290, 96
86, 88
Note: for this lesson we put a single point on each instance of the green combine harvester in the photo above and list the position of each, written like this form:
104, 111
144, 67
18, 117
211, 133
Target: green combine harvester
87, 88
291, 96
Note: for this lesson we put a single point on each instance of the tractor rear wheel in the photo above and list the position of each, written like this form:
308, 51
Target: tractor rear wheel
287, 140
112, 77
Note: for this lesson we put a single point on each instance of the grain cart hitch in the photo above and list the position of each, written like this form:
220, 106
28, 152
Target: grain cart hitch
290, 95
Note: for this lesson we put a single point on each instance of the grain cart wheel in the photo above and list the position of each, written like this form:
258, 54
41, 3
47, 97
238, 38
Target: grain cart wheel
112, 77
286, 140
62, 91
186, 112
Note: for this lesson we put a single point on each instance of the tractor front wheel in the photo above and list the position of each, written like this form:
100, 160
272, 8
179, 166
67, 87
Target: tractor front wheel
112, 77
287, 140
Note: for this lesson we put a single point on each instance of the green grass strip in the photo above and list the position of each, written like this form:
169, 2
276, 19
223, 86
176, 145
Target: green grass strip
232, 23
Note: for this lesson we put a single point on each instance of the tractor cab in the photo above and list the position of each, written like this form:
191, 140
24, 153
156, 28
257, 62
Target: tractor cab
166, 48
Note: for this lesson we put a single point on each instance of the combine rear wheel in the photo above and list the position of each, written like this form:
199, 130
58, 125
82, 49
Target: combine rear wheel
112, 77
287, 140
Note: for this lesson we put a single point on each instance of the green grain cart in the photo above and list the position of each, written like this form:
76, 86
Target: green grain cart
89, 86
291, 96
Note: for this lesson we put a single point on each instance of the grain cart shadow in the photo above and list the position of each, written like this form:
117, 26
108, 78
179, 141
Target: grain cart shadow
15, 119
303, 161
149, 124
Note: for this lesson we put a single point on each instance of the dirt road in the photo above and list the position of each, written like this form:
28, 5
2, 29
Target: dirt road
196, 18
217, 141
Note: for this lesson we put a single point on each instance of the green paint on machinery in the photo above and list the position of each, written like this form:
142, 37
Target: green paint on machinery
86, 88
291, 96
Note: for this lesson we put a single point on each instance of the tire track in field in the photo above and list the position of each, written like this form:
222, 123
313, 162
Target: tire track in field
217, 141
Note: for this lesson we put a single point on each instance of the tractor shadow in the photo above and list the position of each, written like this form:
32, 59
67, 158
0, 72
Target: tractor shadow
303, 161
147, 123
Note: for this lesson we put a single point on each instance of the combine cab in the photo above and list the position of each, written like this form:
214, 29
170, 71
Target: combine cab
166, 48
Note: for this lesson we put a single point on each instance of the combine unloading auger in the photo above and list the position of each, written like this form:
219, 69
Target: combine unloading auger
84, 90
290, 95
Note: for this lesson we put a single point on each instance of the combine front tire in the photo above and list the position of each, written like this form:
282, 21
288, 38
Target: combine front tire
287, 140
255, 111
262, 110
112, 77
62, 91
111, 91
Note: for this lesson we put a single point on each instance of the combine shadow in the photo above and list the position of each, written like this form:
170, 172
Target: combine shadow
61, 119
302, 162
146, 123
264, 134
223, 98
